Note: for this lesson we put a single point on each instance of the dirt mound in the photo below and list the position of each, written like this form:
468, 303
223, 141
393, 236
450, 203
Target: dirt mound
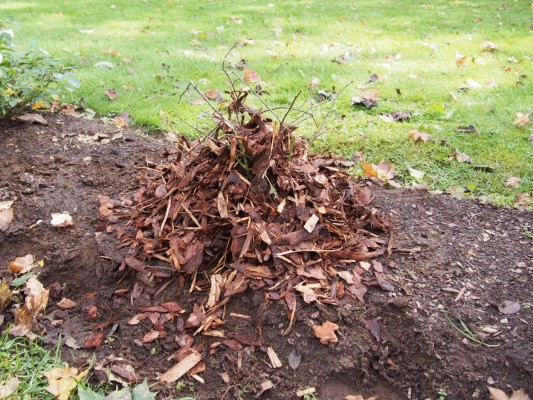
455, 261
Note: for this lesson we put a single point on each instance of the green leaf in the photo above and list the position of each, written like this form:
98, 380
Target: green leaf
89, 394
142, 392
21, 280
122, 394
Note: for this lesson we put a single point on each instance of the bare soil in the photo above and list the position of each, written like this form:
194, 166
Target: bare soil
455, 260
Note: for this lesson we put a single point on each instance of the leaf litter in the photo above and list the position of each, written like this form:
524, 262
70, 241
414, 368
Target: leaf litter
247, 207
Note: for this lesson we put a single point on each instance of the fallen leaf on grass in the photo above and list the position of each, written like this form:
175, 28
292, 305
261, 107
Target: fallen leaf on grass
369, 99
396, 116
512, 182
6, 214
213, 94
521, 119
523, 200
122, 121
416, 173
62, 381
111, 94
9, 387
181, 368
466, 129
21, 265
489, 46
497, 394
462, 157
62, 220
66, 304
419, 136
381, 171
326, 332
31, 119
251, 76
314, 82
459, 59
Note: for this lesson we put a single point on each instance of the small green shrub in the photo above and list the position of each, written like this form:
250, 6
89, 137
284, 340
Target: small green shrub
27, 76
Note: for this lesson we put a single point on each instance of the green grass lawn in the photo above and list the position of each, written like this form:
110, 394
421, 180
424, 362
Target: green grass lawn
159, 46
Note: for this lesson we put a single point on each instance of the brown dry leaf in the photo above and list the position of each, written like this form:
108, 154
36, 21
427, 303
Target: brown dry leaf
459, 59
521, 119
326, 332
396, 116
31, 119
62, 381
21, 265
5, 295
462, 157
111, 94
251, 76
512, 182
419, 136
374, 327
94, 341
125, 371
520, 394
152, 336
6, 214
416, 173
314, 82
385, 171
92, 312
497, 394
122, 121
213, 94
181, 368
369, 99
489, 46
36, 296
66, 304
523, 200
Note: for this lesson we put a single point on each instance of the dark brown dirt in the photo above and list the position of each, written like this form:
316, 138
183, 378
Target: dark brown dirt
453, 257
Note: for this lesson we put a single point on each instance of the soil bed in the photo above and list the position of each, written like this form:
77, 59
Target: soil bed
454, 258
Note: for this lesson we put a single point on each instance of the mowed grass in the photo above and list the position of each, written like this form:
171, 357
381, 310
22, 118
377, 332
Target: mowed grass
158, 47
26, 361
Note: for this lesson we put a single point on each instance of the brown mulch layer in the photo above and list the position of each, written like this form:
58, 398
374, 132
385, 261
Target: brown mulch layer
454, 260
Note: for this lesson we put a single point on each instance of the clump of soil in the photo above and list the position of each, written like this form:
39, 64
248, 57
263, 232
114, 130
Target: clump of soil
454, 260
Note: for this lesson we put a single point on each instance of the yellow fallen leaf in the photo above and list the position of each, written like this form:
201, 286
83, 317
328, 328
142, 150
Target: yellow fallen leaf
521, 119
62, 381
326, 332
21, 265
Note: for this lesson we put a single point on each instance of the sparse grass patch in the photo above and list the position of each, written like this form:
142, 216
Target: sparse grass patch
416, 50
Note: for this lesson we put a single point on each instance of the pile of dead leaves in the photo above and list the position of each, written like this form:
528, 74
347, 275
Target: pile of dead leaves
249, 207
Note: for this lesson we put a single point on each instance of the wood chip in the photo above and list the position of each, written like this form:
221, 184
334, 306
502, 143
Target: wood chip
311, 223
274, 359
181, 368
306, 391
